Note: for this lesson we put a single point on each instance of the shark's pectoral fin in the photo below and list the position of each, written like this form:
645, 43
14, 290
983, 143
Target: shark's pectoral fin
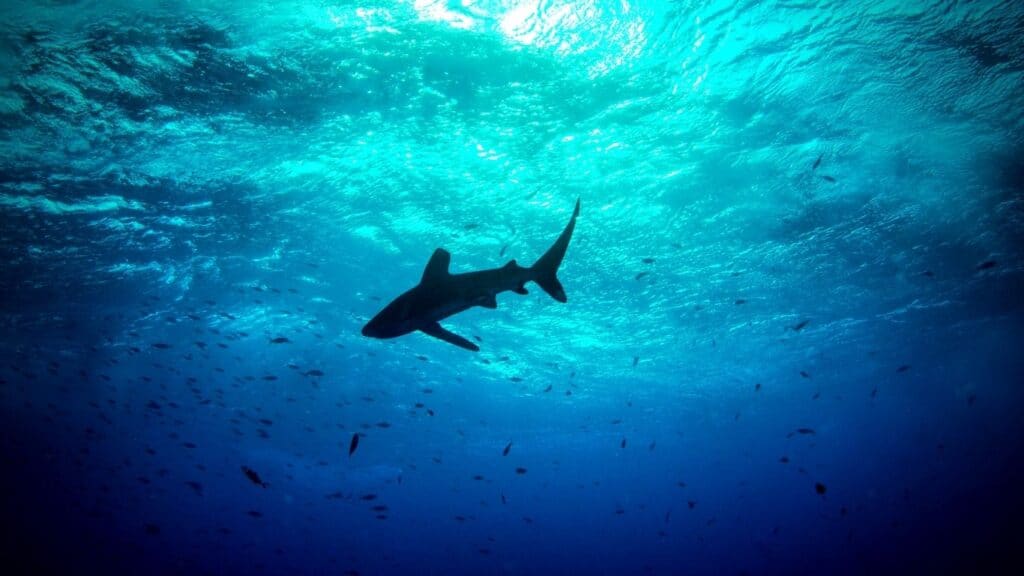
489, 302
521, 290
440, 333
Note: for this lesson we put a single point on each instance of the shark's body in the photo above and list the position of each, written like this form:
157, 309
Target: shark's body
441, 294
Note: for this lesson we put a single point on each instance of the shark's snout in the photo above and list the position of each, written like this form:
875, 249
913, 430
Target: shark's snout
381, 326
371, 330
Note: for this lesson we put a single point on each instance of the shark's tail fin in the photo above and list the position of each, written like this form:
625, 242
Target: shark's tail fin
545, 269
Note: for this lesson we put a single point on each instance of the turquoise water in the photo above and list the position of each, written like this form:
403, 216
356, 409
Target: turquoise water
795, 289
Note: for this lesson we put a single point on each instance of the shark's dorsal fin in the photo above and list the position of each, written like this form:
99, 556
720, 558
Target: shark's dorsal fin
437, 267
440, 333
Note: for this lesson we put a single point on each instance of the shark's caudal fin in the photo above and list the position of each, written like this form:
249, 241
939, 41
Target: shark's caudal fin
545, 269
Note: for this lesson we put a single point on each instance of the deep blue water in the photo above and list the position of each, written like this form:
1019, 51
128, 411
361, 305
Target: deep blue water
793, 336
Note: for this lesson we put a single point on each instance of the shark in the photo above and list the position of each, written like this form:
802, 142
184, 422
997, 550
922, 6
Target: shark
441, 294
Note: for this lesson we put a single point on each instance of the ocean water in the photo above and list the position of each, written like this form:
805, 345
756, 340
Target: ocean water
793, 336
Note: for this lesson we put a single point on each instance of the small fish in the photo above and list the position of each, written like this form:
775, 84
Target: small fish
648, 260
971, 399
928, 273
520, 471
255, 513
874, 392
368, 497
430, 412
254, 477
691, 504
800, 325
740, 301
507, 448
757, 387
640, 275
651, 446
280, 340
817, 162
353, 444
161, 345
828, 179
548, 389
784, 459
623, 443
903, 368
502, 252
819, 488
314, 373
636, 360
503, 499
986, 265
804, 374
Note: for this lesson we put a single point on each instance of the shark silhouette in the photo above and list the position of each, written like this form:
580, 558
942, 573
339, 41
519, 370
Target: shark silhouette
441, 294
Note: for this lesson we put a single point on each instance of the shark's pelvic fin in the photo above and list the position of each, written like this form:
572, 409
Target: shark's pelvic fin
545, 269
440, 333
437, 266
521, 290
